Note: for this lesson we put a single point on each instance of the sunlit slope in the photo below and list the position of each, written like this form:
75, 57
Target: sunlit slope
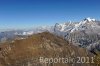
27, 52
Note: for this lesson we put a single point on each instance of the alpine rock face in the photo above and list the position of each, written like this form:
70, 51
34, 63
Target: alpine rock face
85, 33
86, 24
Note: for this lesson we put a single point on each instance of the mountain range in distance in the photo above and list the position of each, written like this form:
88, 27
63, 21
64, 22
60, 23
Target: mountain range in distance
83, 36
85, 33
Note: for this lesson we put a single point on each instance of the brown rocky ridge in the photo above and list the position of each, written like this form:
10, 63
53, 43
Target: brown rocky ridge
27, 52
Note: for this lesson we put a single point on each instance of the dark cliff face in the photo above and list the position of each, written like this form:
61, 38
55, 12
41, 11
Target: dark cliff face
27, 52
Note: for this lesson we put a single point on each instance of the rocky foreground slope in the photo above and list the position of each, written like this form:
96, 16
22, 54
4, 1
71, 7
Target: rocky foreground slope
34, 50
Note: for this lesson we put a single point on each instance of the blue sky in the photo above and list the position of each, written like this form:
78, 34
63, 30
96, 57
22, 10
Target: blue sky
29, 13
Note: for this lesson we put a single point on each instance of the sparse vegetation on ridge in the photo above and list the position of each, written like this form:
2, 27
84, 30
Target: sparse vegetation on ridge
27, 51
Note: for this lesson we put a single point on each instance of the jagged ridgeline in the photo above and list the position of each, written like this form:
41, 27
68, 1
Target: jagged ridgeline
85, 33
27, 52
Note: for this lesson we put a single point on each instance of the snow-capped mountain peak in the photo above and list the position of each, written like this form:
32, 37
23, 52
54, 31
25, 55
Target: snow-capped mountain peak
89, 19
85, 24
85, 33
